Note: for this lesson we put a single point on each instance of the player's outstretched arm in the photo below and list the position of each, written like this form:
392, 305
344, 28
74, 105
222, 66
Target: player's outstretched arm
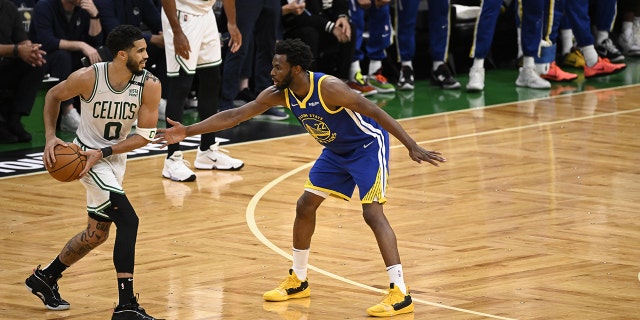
337, 93
222, 120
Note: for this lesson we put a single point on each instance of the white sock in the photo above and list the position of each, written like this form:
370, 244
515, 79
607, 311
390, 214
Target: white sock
627, 27
566, 35
590, 55
436, 64
407, 64
601, 36
542, 68
300, 263
355, 67
374, 66
396, 277
478, 63
528, 62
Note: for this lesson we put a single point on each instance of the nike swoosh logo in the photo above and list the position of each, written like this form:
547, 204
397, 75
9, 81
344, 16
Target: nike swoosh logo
368, 144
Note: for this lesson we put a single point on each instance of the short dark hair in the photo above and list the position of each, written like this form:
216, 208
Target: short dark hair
122, 38
298, 53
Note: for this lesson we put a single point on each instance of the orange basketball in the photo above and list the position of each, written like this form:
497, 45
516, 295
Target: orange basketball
69, 163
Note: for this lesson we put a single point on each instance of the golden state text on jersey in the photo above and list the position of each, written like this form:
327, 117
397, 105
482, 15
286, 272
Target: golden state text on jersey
341, 130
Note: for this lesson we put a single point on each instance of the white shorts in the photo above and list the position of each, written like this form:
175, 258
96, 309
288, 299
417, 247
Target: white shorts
105, 176
204, 40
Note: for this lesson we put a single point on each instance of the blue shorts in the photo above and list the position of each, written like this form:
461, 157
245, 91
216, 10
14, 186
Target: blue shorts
366, 167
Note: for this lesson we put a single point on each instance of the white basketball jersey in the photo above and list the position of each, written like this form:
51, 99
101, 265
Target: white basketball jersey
195, 7
108, 115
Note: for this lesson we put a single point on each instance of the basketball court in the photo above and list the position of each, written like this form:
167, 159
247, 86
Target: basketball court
534, 216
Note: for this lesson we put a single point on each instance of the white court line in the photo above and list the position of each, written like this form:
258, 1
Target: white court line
251, 222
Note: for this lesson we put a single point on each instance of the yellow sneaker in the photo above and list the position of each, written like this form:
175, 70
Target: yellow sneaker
393, 303
290, 288
574, 59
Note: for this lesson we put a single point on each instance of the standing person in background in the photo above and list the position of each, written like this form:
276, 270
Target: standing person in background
578, 23
482, 38
604, 15
439, 36
355, 134
192, 44
145, 15
379, 22
406, 17
629, 38
531, 17
257, 21
105, 141
21, 74
68, 31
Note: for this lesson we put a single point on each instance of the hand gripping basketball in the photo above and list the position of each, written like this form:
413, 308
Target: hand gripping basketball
69, 163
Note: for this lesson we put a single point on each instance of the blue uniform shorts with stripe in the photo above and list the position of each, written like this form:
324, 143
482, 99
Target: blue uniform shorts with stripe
366, 167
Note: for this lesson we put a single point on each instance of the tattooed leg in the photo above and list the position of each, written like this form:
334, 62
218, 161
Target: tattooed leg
77, 247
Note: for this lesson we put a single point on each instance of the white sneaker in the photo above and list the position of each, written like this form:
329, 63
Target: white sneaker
177, 169
476, 79
628, 43
162, 108
529, 78
214, 158
70, 121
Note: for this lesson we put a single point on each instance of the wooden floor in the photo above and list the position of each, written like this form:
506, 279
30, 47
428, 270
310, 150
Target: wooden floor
534, 216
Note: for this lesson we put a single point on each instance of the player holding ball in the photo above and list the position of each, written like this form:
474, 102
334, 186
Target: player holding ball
113, 95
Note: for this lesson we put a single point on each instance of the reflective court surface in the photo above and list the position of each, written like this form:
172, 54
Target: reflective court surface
534, 216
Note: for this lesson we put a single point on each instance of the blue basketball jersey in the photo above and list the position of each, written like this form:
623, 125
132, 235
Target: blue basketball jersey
343, 130
356, 149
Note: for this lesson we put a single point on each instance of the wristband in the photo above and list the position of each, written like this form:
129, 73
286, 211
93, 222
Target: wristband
15, 50
106, 151
97, 16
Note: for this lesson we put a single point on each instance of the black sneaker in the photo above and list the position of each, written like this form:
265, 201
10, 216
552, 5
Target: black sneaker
442, 77
405, 81
131, 311
606, 49
46, 288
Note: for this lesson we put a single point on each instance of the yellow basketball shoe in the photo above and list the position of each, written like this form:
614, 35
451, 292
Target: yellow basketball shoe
290, 288
394, 302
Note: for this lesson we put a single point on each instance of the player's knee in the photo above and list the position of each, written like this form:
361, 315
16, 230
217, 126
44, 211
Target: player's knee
122, 213
373, 216
305, 208
98, 238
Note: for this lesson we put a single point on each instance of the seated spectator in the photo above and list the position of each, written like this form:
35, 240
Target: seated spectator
378, 24
21, 74
258, 23
145, 15
324, 26
68, 31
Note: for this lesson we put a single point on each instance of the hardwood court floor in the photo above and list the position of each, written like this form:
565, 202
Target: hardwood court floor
534, 216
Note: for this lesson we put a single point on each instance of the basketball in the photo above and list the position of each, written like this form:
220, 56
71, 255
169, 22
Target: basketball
69, 163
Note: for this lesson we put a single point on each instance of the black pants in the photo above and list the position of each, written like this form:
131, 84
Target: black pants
19, 85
